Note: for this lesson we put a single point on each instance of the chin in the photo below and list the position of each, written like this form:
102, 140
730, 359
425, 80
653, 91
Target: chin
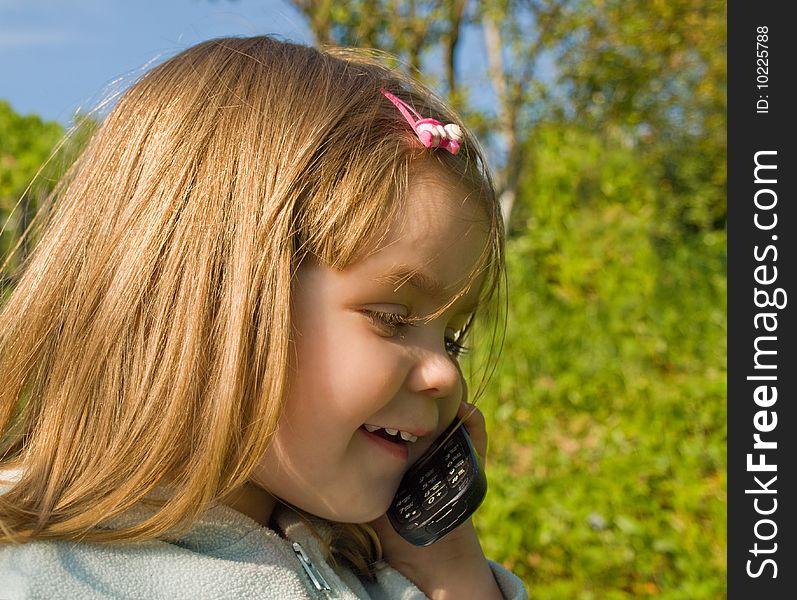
344, 507
362, 514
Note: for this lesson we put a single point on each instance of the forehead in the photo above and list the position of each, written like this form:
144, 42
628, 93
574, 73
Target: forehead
435, 241
436, 203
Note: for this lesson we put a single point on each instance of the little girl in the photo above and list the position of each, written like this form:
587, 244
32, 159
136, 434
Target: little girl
262, 267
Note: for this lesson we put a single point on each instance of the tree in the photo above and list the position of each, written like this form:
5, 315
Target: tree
654, 71
34, 154
416, 31
25, 144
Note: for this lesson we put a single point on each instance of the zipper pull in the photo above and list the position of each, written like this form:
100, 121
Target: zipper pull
315, 576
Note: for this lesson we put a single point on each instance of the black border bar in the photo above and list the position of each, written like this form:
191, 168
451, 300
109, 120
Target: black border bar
762, 260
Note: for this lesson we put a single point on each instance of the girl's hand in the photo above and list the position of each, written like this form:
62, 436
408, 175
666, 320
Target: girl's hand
476, 427
455, 566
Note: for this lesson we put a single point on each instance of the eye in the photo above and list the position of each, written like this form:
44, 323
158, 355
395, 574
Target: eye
392, 323
455, 348
396, 324
455, 345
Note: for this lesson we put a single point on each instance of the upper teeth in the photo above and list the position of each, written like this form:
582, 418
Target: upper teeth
407, 437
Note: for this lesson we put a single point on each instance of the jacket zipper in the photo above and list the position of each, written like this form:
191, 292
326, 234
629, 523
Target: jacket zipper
314, 574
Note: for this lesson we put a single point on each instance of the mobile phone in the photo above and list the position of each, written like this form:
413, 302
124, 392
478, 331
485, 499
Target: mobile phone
440, 491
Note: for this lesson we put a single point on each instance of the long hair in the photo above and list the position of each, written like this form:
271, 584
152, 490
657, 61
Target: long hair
146, 344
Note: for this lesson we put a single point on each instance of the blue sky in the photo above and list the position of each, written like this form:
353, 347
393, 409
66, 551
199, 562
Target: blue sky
58, 56
61, 56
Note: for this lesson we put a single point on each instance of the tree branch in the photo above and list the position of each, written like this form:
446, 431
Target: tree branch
507, 117
456, 12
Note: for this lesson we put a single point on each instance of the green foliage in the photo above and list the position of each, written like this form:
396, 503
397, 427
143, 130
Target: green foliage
32, 160
25, 144
660, 62
607, 412
658, 71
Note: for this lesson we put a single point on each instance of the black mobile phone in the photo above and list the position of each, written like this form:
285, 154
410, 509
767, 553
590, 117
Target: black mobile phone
441, 490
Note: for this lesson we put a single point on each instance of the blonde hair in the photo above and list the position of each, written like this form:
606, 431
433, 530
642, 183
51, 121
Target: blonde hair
146, 342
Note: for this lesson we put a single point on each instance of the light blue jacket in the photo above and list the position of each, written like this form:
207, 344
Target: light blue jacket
225, 555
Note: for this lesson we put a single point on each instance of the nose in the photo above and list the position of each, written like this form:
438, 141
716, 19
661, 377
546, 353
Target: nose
436, 374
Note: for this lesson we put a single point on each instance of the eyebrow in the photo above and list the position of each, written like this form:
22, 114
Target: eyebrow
424, 283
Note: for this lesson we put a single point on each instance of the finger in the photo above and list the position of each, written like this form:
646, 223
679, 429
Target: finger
476, 426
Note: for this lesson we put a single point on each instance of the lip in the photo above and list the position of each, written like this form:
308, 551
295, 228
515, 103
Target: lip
398, 451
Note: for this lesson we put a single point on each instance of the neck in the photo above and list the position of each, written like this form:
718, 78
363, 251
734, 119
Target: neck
253, 501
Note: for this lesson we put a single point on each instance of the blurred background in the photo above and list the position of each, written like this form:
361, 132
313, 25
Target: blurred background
605, 121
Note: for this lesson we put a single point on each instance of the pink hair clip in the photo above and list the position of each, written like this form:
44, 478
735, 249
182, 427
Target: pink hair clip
431, 132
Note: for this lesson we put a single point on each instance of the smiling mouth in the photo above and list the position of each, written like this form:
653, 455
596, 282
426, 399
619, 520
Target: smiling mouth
391, 434
382, 433
392, 443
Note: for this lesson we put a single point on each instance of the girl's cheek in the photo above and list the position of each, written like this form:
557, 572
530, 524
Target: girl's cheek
378, 366
372, 345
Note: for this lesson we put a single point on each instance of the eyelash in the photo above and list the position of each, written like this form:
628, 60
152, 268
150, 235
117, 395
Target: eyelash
396, 322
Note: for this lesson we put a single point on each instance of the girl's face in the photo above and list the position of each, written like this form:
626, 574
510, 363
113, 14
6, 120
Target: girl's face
353, 366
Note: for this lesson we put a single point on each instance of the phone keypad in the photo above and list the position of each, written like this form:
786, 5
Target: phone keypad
432, 488
457, 465
435, 486
457, 473
408, 508
433, 495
